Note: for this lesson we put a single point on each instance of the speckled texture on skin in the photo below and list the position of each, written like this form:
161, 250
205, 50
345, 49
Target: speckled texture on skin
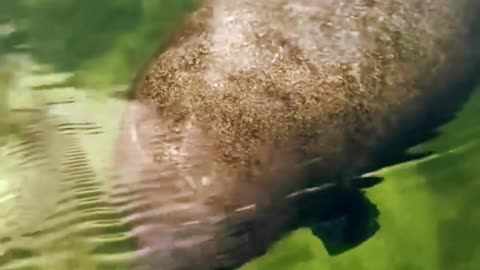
250, 89
273, 70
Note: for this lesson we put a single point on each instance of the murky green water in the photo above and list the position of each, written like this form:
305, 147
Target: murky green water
60, 59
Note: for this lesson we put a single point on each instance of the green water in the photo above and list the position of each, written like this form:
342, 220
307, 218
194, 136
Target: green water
83, 50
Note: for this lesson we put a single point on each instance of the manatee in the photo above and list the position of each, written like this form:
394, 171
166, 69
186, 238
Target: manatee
261, 116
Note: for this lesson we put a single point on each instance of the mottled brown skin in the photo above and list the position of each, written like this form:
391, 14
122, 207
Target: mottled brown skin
249, 90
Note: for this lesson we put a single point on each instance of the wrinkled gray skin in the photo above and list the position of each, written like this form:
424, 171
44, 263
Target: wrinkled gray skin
214, 142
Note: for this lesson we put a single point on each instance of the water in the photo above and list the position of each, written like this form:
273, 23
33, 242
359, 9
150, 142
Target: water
60, 60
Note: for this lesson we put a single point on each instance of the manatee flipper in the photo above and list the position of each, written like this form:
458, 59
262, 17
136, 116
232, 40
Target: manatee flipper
366, 181
356, 225
341, 217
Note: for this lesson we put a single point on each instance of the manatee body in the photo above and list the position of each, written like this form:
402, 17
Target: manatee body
257, 106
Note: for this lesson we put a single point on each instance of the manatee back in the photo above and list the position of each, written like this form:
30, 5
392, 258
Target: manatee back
335, 79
